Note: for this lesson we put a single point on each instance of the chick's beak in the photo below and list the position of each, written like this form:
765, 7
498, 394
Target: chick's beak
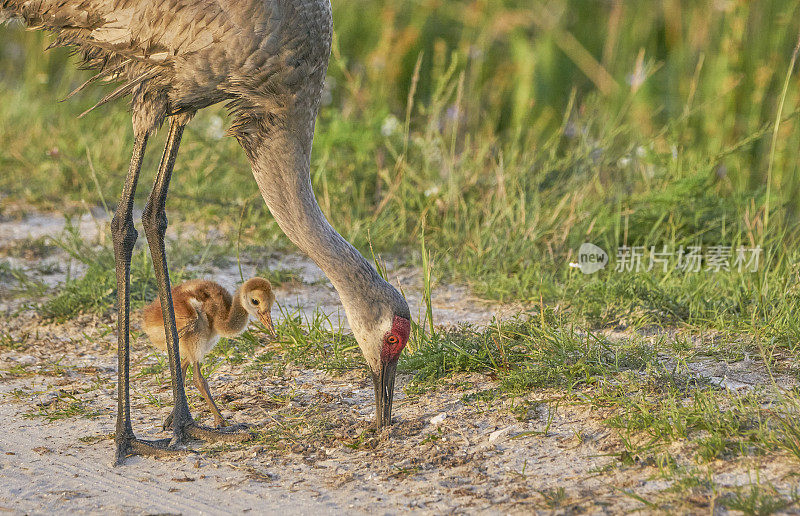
384, 392
266, 319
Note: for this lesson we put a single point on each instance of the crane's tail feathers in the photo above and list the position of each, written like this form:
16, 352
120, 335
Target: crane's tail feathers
48, 14
121, 91
8, 16
108, 73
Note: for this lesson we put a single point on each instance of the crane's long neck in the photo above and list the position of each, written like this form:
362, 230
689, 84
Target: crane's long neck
237, 319
281, 167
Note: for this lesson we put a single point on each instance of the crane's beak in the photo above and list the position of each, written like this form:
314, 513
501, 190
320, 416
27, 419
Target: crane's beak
266, 320
384, 392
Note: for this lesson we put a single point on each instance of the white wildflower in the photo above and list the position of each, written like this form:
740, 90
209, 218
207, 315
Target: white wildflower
390, 126
214, 129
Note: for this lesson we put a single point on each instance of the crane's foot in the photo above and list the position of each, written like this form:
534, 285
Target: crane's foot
224, 432
220, 423
231, 434
130, 446
167, 424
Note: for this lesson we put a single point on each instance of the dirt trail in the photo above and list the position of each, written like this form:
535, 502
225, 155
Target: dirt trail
453, 304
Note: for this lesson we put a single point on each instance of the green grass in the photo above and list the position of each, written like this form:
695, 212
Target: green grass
281, 276
94, 291
314, 340
20, 281
639, 384
8, 342
520, 136
525, 354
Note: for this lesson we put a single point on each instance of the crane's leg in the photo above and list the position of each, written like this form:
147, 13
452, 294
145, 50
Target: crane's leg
202, 386
154, 220
124, 237
168, 422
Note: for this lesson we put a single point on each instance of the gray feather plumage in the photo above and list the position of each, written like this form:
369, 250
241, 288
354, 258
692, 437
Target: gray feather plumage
190, 53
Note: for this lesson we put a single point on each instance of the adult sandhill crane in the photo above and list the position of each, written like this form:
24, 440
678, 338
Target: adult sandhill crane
268, 60
204, 312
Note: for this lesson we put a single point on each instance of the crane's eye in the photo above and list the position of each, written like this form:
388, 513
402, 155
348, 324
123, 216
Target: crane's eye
254, 301
392, 339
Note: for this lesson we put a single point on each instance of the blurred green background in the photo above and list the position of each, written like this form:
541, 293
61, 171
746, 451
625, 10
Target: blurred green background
509, 131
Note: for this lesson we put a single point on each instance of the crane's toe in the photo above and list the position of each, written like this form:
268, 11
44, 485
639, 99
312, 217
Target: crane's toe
167, 424
221, 422
231, 434
131, 446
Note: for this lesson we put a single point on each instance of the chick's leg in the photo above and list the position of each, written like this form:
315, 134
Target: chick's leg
202, 386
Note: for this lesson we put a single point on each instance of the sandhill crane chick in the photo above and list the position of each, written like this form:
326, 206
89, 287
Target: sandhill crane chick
204, 312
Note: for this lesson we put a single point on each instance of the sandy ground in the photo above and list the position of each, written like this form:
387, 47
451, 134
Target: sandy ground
44, 470
448, 451
441, 455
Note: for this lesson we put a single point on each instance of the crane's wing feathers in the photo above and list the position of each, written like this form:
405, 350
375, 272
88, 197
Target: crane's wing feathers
121, 91
256, 54
146, 30
197, 323
129, 40
105, 73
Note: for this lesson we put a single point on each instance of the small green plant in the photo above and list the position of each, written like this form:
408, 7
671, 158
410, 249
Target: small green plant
309, 340
158, 369
64, 406
282, 276
24, 282
755, 500
9, 342
427, 288
554, 497
233, 351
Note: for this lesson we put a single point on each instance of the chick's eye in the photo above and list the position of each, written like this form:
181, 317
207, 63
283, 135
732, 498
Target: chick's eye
254, 301
392, 339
